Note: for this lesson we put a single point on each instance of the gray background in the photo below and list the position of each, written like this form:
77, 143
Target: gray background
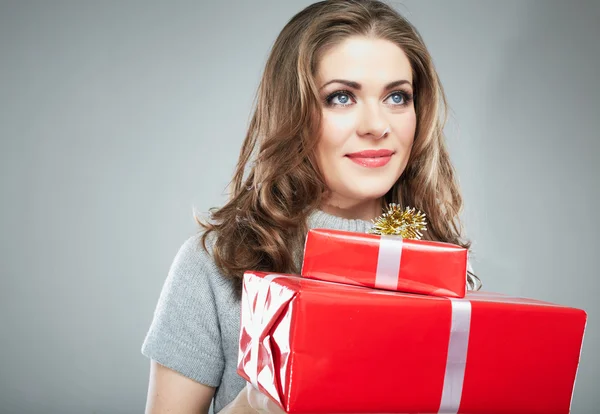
117, 118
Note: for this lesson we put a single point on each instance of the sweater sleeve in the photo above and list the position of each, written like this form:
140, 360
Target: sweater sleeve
184, 334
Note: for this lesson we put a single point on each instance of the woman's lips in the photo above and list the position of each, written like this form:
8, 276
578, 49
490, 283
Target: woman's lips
371, 158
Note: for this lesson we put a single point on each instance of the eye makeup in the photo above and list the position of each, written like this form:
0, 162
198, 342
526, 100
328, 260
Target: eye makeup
329, 99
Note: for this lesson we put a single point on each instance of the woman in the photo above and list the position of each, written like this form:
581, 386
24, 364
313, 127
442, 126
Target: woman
349, 118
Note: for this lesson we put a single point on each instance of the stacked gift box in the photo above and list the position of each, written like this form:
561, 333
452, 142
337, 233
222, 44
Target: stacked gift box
381, 324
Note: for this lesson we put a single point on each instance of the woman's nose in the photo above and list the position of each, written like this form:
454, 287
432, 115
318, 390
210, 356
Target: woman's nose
372, 123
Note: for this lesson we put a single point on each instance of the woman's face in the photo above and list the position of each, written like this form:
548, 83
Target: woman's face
368, 124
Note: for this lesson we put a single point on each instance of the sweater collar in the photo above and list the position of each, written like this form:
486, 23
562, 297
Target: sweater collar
320, 219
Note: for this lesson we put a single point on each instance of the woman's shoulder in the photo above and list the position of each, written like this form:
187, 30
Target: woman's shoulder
194, 265
185, 332
196, 250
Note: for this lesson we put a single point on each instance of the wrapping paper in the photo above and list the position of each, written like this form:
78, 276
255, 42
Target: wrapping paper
320, 347
386, 262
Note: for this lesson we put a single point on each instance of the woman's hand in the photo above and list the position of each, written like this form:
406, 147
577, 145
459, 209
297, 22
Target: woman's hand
251, 401
260, 402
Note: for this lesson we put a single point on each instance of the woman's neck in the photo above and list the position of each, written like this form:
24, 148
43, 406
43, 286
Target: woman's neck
366, 210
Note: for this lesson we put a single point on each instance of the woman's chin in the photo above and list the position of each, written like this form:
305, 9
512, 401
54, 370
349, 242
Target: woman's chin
367, 194
370, 189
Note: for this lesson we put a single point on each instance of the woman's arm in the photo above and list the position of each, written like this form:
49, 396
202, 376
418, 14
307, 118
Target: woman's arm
251, 401
170, 392
183, 342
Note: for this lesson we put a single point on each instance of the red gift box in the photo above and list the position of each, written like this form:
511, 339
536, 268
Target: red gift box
322, 347
386, 262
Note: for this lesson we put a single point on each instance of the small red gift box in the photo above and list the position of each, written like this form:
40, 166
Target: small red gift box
386, 262
321, 347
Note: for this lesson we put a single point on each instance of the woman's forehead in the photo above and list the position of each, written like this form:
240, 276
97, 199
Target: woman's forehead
367, 61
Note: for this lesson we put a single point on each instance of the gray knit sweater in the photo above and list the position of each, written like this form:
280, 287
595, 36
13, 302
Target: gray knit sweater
196, 324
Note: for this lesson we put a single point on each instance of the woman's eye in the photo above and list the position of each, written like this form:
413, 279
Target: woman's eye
342, 98
397, 98
339, 99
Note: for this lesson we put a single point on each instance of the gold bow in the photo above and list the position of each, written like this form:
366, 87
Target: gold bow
407, 223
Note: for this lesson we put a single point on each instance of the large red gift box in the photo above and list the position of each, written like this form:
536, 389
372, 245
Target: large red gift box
320, 347
386, 262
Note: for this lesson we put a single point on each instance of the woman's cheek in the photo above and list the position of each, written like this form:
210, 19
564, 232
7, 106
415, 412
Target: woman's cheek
336, 129
406, 128
343, 121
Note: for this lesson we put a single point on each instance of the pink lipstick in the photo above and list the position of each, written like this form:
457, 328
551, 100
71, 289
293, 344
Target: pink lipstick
371, 158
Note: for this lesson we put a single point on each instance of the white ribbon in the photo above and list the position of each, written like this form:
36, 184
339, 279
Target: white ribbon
456, 361
388, 262
388, 269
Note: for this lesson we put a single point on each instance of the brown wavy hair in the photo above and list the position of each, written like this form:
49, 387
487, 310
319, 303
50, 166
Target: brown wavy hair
277, 183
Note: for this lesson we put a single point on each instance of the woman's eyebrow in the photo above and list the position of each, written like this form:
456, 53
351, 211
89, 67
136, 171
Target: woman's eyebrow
357, 86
